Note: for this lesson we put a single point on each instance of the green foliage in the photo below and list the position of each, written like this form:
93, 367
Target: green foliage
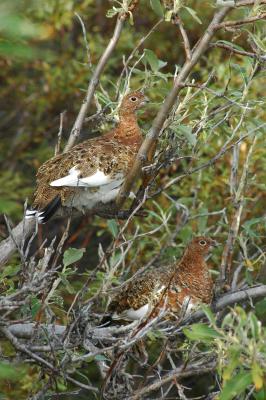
72, 255
201, 332
17, 30
157, 7
44, 71
240, 348
11, 372
112, 226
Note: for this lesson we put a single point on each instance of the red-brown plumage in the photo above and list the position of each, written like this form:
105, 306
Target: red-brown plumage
168, 286
91, 173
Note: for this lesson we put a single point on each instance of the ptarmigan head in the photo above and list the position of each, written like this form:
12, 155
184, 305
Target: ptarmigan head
132, 102
201, 245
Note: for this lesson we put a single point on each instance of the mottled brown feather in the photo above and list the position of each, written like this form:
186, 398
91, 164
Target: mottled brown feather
188, 277
112, 153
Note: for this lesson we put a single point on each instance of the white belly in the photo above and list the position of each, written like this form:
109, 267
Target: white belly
132, 314
86, 198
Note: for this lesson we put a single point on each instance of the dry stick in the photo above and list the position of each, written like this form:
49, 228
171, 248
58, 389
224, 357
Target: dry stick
177, 21
244, 3
237, 51
58, 144
24, 349
27, 330
26, 227
197, 368
240, 22
234, 227
132, 54
21, 231
152, 136
75, 132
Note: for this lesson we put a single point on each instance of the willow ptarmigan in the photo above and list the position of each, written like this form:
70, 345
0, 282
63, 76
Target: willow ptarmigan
169, 286
92, 172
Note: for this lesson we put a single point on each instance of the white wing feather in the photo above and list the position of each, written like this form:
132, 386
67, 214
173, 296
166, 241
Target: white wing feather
73, 179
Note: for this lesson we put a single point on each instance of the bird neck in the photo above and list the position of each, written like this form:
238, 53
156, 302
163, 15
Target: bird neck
194, 273
127, 130
193, 262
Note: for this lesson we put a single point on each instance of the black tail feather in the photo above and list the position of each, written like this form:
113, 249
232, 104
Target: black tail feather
47, 212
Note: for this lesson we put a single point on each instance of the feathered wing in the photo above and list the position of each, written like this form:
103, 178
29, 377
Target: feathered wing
88, 165
137, 298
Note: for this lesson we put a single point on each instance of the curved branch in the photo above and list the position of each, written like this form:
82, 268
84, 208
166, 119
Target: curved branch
193, 369
152, 136
28, 329
75, 132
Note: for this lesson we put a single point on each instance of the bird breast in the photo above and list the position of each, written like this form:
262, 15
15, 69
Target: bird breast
86, 198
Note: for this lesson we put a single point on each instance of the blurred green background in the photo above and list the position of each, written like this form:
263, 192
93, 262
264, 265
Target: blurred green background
44, 70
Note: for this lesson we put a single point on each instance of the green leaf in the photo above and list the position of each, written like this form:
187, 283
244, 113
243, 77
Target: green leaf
186, 131
202, 221
254, 325
35, 306
7, 206
261, 395
201, 332
257, 376
242, 71
8, 371
251, 226
152, 59
236, 386
112, 226
193, 14
10, 270
157, 7
260, 308
72, 255
209, 313
67, 285
100, 357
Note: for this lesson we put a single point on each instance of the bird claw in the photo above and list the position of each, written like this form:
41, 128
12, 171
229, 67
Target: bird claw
143, 158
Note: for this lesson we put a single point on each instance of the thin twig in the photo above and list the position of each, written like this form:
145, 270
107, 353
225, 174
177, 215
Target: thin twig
240, 22
177, 21
151, 138
76, 129
58, 144
237, 51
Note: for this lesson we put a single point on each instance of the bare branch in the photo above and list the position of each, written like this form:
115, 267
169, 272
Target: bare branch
152, 136
177, 21
76, 129
236, 51
186, 370
240, 22
58, 145
238, 201
134, 51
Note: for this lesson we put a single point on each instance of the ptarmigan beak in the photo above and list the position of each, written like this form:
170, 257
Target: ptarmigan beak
145, 100
214, 243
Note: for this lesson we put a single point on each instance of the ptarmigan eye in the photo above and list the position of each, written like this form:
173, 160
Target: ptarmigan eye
133, 98
202, 242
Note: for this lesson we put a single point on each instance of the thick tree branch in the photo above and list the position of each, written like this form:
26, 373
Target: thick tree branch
152, 136
19, 234
27, 330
